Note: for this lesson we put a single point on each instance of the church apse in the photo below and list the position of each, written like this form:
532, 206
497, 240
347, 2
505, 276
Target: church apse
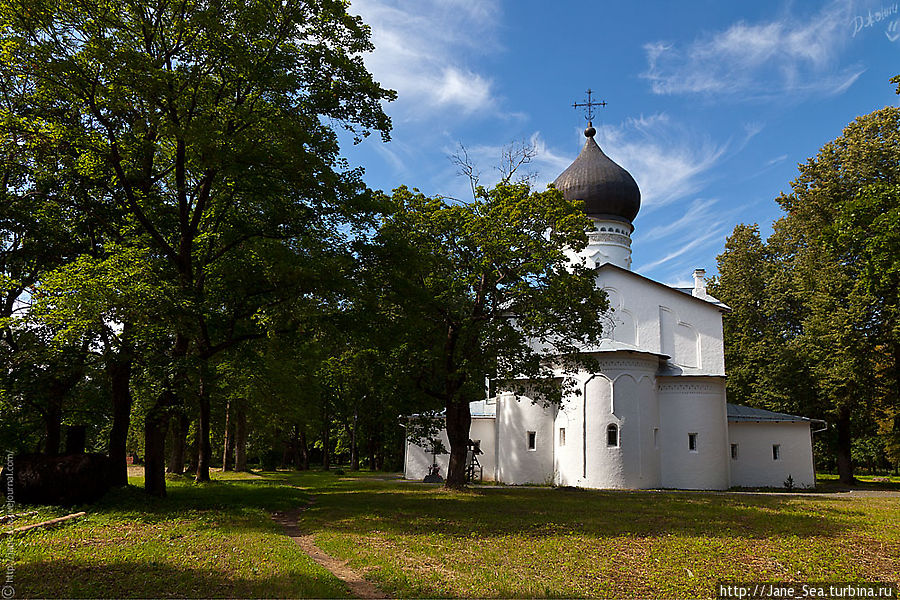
622, 395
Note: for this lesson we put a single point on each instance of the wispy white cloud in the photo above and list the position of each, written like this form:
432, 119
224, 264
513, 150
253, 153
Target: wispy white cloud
668, 161
710, 237
423, 50
699, 213
789, 55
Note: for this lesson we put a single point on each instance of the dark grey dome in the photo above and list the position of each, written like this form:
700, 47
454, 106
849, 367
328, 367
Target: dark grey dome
607, 190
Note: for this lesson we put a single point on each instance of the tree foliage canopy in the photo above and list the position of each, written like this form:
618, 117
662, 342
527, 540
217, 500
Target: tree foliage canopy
488, 288
815, 323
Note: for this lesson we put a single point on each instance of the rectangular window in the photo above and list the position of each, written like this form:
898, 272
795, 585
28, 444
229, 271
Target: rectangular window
776, 451
612, 435
692, 442
656, 437
562, 436
734, 452
532, 440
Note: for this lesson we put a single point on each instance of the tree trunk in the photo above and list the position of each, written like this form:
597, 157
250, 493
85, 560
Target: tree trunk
181, 424
379, 447
240, 438
118, 369
76, 439
326, 438
372, 447
53, 426
60, 386
287, 450
303, 450
155, 425
203, 429
228, 454
294, 445
844, 461
354, 448
194, 456
459, 420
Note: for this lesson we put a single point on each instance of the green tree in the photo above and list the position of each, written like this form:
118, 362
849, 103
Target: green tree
486, 288
815, 320
207, 126
765, 365
867, 237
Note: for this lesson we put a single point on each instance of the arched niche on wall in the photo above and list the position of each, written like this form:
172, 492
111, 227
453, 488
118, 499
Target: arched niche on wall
686, 341
678, 339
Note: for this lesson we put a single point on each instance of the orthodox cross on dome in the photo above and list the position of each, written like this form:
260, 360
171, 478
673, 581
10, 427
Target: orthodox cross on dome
589, 106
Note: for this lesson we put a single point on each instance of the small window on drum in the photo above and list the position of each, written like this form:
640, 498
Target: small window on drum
612, 435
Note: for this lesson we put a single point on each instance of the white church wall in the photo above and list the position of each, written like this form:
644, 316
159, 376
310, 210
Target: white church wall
669, 322
755, 465
567, 454
600, 465
693, 409
484, 430
418, 459
621, 322
517, 419
686, 345
634, 403
623, 395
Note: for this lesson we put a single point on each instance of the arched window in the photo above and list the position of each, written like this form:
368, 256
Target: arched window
612, 435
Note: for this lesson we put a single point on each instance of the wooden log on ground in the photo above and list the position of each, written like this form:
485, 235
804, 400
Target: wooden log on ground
25, 528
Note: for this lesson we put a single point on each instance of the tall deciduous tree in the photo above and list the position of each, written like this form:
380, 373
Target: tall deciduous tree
207, 125
486, 289
820, 296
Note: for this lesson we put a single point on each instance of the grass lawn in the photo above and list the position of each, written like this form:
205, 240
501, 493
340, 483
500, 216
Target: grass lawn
214, 540
418, 540
415, 540
826, 481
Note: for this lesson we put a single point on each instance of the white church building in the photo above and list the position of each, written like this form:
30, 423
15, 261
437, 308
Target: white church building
653, 413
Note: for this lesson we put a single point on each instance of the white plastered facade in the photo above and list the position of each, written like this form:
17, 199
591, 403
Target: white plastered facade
652, 413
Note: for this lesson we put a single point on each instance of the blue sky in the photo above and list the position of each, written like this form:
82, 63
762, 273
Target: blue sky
711, 104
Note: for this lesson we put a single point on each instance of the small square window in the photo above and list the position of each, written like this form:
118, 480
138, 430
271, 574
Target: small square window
734, 452
562, 436
776, 451
692, 442
532, 440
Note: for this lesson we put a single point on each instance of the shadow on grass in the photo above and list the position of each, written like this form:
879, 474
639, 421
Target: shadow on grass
833, 485
409, 509
365, 504
227, 505
148, 579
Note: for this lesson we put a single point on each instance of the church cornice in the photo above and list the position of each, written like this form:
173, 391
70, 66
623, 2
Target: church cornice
618, 364
689, 387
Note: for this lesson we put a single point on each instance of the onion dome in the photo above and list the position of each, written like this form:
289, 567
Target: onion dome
607, 190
